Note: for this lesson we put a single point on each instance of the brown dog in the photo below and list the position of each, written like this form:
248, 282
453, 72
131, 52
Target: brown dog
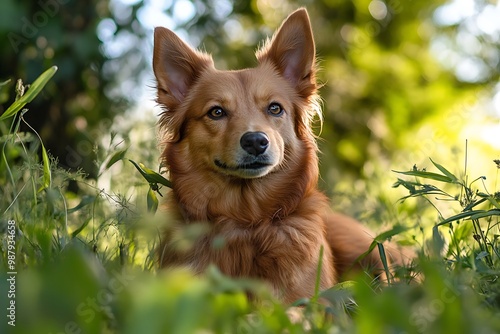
242, 156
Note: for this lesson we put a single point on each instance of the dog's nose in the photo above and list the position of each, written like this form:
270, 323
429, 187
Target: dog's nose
254, 143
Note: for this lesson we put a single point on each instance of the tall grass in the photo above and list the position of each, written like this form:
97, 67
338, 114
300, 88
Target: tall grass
84, 260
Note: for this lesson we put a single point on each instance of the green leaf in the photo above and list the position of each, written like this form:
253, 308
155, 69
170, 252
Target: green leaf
318, 275
86, 200
47, 175
150, 175
475, 214
5, 83
117, 156
340, 293
488, 213
370, 249
80, 229
482, 255
427, 175
444, 171
459, 216
437, 243
152, 201
493, 201
345, 285
474, 204
462, 232
379, 239
397, 229
383, 257
35, 88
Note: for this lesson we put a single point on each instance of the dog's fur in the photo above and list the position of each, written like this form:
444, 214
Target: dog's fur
257, 192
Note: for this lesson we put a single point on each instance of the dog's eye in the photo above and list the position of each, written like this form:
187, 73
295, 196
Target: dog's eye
275, 109
216, 113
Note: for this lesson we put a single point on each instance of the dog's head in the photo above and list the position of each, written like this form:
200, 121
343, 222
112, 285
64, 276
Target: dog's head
240, 123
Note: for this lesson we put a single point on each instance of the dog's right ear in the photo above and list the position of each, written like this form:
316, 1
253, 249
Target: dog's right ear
176, 66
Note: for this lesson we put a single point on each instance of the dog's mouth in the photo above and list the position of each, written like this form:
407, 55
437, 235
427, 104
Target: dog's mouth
253, 165
246, 170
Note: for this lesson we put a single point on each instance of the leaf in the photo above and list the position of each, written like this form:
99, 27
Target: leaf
482, 255
370, 249
470, 214
383, 257
5, 83
397, 229
318, 275
437, 242
345, 285
488, 213
340, 293
117, 156
35, 88
80, 229
383, 237
47, 175
462, 232
444, 171
86, 200
152, 201
150, 175
427, 175
493, 201
473, 204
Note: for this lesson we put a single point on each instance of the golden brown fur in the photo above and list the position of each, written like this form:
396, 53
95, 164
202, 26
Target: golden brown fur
259, 193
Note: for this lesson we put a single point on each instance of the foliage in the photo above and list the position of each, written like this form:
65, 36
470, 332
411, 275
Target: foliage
383, 79
84, 247
83, 262
45, 33
479, 217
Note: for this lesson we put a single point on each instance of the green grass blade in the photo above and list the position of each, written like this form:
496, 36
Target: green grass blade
152, 201
119, 155
47, 175
427, 175
86, 200
80, 229
482, 255
493, 201
444, 171
383, 237
462, 215
5, 83
397, 229
383, 258
488, 213
35, 88
370, 249
318, 275
474, 204
437, 242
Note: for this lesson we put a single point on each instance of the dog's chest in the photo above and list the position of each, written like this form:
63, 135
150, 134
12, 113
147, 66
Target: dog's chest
264, 251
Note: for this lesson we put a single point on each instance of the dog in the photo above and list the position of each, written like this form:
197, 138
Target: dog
242, 157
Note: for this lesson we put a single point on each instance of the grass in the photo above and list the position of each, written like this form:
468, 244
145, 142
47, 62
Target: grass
84, 262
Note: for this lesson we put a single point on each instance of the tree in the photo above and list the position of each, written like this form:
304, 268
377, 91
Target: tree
382, 80
60, 32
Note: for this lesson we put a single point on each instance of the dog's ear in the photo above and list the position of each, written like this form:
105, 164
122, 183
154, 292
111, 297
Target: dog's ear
176, 66
291, 50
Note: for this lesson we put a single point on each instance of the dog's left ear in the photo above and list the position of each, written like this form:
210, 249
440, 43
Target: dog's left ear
291, 50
